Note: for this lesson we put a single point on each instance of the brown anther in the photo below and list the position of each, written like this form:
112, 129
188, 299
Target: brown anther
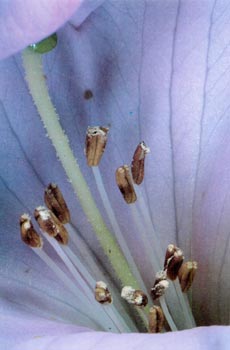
186, 274
56, 203
135, 297
28, 233
169, 254
138, 163
102, 293
95, 142
125, 185
160, 285
173, 260
62, 237
140, 298
50, 224
156, 319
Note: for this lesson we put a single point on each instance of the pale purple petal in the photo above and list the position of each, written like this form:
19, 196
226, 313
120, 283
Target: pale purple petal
21, 326
159, 71
24, 22
211, 338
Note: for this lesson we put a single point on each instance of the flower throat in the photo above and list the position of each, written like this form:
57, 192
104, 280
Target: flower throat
95, 297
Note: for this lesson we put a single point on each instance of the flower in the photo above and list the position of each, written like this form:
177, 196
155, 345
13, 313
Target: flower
157, 72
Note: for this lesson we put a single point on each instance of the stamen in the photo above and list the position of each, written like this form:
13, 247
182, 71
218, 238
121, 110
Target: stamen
145, 236
186, 275
56, 203
50, 224
26, 226
189, 319
112, 312
132, 296
87, 266
158, 291
84, 285
160, 285
151, 234
62, 237
95, 142
28, 233
102, 293
179, 306
156, 319
124, 182
138, 163
70, 266
167, 314
84, 308
169, 254
115, 225
173, 260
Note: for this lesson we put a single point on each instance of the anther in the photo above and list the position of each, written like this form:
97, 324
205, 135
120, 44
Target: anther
124, 182
186, 275
28, 233
138, 163
102, 293
50, 224
156, 319
169, 254
160, 285
132, 296
95, 142
62, 237
173, 260
56, 203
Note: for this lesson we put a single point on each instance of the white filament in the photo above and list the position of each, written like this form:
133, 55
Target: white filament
115, 226
82, 249
167, 314
190, 322
87, 284
158, 255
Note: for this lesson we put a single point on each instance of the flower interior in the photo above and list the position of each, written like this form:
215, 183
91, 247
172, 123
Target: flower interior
112, 295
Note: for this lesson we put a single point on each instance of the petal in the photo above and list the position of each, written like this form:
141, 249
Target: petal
158, 72
199, 339
21, 326
26, 22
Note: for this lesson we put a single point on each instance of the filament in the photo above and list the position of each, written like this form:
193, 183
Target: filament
115, 226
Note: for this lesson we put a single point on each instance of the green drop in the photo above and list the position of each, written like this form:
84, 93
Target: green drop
45, 45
